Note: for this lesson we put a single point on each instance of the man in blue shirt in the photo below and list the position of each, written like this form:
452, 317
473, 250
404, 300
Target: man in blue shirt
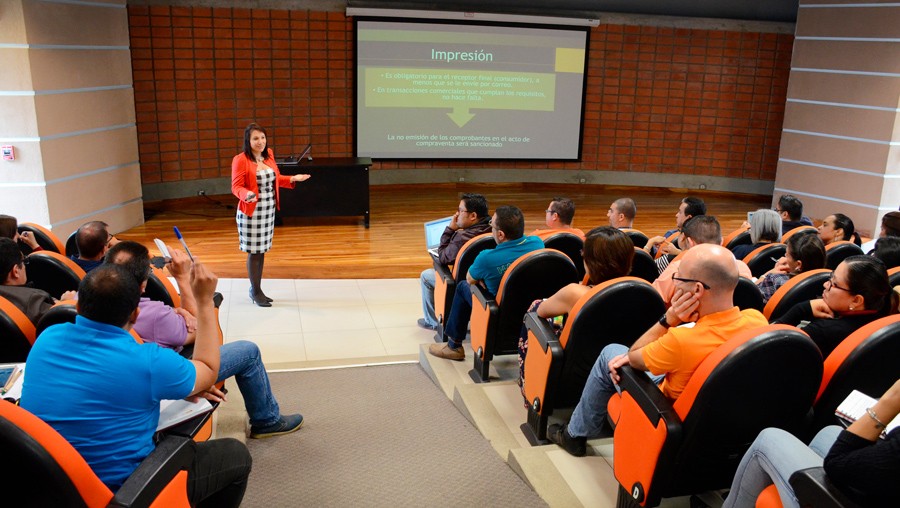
100, 389
508, 229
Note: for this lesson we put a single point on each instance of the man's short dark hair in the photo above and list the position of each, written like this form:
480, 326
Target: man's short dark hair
695, 206
511, 221
476, 203
703, 229
108, 294
565, 208
793, 206
132, 256
91, 238
10, 256
626, 207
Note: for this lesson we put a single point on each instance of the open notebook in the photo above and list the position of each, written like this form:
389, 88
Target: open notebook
433, 231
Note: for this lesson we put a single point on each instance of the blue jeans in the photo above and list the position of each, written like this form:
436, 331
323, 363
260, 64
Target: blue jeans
590, 413
427, 280
772, 458
460, 314
243, 360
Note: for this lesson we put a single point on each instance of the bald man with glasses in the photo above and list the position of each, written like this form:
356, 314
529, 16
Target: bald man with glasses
704, 287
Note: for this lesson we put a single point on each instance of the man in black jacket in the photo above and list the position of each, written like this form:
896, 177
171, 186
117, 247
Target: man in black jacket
470, 220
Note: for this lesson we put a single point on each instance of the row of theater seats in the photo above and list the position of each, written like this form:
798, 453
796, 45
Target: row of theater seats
49, 241
773, 376
44, 457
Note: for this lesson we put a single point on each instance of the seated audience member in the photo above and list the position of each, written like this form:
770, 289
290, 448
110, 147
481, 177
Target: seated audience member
890, 226
702, 229
791, 210
836, 228
93, 240
174, 328
608, 253
9, 228
621, 213
31, 301
100, 389
765, 228
470, 220
558, 219
857, 294
689, 207
804, 252
887, 249
862, 466
705, 287
508, 228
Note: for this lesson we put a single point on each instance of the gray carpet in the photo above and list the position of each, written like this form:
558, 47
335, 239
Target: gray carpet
377, 436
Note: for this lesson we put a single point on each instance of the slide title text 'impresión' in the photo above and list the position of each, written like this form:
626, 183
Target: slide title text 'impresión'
466, 56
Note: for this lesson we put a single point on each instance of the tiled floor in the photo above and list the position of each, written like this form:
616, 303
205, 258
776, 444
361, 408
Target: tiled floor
327, 320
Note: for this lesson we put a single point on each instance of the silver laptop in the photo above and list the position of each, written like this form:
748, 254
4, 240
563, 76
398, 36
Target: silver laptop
433, 231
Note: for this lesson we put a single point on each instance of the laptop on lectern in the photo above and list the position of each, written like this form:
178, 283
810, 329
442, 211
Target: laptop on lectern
433, 231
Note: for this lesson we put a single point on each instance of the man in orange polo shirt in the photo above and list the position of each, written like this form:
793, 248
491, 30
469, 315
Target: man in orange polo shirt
703, 294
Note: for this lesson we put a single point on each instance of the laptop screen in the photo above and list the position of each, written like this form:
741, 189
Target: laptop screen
433, 231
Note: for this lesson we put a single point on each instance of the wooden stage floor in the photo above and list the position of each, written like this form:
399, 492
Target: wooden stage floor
394, 245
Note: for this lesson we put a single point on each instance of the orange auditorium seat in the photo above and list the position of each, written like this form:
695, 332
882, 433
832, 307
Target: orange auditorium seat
447, 276
802, 287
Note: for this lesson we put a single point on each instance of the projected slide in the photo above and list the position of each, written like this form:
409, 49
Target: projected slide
455, 91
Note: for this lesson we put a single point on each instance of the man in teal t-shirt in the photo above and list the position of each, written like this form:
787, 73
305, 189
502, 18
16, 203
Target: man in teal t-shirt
508, 228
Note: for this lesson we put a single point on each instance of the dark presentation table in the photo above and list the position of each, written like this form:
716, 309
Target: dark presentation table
336, 187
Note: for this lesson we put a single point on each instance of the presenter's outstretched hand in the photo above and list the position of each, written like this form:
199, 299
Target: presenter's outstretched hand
299, 178
251, 197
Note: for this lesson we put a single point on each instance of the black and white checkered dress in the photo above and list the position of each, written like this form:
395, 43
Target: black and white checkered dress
256, 231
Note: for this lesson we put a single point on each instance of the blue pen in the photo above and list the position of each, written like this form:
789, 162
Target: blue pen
181, 239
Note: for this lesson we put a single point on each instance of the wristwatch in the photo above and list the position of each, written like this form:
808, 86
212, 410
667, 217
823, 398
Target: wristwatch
664, 322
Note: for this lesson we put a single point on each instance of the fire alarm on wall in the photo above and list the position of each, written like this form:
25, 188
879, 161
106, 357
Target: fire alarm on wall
9, 153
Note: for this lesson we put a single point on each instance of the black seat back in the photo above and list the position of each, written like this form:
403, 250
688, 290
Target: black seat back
638, 238
53, 272
763, 259
535, 275
747, 295
839, 251
617, 311
643, 266
800, 288
569, 244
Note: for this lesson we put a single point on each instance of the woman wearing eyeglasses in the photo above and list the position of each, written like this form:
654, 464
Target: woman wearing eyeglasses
857, 293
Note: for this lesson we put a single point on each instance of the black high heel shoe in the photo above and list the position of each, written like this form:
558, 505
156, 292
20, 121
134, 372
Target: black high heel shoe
259, 300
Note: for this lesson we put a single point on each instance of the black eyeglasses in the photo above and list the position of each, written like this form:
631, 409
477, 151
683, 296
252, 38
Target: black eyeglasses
681, 279
549, 211
831, 283
461, 210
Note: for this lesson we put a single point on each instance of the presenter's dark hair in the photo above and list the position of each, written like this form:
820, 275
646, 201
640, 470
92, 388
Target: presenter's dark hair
695, 206
565, 208
132, 256
476, 203
511, 221
108, 294
247, 151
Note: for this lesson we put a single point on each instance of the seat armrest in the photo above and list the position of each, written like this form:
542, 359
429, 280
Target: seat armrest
541, 329
171, 455
443, 271
646, 394
483, 297
813, 488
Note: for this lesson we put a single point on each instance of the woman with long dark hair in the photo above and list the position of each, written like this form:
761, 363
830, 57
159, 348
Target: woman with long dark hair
255, 180
857, 294
804, 252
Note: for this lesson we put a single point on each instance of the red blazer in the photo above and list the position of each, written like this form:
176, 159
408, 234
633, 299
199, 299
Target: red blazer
243, 180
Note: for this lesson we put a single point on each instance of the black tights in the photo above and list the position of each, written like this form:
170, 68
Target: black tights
255, 264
